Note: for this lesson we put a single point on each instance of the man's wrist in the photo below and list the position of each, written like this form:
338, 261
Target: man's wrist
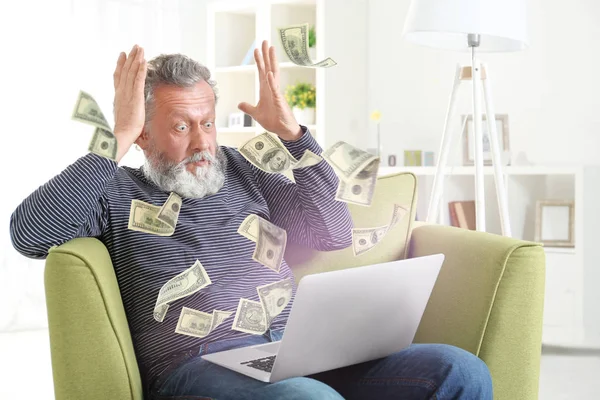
292, 134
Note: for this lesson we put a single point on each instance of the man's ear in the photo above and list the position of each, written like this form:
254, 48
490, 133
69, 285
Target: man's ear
143, 140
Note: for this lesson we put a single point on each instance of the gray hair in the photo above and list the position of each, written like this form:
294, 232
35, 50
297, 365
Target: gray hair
173, 69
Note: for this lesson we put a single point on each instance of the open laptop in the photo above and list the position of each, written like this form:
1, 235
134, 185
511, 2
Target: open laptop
342, 318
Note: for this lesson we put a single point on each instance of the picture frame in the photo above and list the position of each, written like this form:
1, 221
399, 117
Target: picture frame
554, 223
468, 136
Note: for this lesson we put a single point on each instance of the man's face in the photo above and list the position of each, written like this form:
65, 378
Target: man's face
183, 124
278, 161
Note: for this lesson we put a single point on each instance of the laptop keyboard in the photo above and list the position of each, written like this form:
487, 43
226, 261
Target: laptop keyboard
263, 364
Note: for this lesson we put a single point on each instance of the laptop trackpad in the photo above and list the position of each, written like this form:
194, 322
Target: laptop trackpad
271, 348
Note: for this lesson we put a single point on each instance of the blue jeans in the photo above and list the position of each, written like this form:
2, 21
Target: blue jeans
421, 371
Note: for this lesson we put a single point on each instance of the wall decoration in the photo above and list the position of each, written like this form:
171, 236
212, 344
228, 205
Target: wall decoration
239, 120
391, 160
554, 223
413, 158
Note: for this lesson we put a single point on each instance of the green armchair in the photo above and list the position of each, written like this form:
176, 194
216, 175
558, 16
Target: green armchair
488, 300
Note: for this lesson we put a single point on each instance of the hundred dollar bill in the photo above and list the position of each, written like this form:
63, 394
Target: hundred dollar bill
347, 160
364, 239
184, 284
274, 297
294, 40
104, 144
249, 227
88, 111
250, 318
218, 317
160, 312
169, 212
270, 245
398, 214
266, 152
143, 218
360, 189
194, 323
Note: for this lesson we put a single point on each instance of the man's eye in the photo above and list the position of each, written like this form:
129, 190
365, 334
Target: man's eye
208, 125
181, 128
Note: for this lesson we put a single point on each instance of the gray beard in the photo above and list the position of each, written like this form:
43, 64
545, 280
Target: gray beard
171, 177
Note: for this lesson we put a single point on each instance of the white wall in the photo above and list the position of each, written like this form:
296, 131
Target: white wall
547, 90
47, 57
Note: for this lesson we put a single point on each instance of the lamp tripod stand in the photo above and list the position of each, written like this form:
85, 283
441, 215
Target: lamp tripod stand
476, 72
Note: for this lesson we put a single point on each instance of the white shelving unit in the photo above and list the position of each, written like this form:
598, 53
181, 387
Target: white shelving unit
572, 298
234, 26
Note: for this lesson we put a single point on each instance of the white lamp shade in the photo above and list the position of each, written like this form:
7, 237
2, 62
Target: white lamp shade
501, 24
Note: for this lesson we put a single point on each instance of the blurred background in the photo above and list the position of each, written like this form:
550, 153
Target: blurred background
52, 49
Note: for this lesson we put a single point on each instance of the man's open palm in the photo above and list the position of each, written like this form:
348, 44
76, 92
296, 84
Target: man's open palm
272, 111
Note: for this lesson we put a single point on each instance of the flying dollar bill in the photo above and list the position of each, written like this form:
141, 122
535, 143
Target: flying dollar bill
360, 189
194, 323
249, 228
88, 111
294, 40
250, 317
182, 285
104, 144
218, 317
267, 153
270, 246
274, 297
357, 170
143, 217
169, 212
364, 239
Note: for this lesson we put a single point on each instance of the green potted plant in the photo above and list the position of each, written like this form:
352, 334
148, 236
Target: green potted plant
302, 98
312, 43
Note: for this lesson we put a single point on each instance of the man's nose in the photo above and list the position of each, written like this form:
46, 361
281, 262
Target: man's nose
200, 140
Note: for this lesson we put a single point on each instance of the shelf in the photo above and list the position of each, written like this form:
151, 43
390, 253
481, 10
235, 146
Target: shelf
461, 170
237, 68
245, 129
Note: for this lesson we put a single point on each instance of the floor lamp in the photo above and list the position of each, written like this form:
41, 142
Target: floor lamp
475, 26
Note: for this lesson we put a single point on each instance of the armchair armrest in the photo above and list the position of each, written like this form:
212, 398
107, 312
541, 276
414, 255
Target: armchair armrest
91, 347
488, 299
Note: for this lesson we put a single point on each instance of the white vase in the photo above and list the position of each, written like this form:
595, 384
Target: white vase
304, 116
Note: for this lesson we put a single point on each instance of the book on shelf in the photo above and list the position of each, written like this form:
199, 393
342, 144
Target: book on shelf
462, 214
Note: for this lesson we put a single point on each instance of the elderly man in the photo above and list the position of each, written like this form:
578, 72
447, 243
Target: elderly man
167, 108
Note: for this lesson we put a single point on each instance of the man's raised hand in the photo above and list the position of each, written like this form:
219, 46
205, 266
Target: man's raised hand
129, 79
272, 111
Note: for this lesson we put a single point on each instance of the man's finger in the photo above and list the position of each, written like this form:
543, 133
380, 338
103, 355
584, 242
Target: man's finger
273, 85
274, 63
259, 64
265, 53
118, 69
134, 68
140, 79
127, 66
247, 108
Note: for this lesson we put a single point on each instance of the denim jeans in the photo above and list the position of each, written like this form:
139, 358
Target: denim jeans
420, 371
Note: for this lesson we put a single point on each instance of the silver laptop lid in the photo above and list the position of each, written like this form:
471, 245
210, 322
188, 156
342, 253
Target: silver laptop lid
345, 317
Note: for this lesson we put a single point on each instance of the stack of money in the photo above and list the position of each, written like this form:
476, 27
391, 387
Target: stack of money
294, 40
88, 111
364, 239
182, 285
267, 153
269, 238
199, 324
357, 170
255, 317
161, 221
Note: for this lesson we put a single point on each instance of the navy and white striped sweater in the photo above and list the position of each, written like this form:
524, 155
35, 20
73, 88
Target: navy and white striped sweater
92, 198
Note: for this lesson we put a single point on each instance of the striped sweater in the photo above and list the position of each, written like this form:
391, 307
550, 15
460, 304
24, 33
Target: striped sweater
92, 198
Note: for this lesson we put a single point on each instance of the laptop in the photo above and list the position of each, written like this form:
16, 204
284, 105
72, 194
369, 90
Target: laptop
341, 318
